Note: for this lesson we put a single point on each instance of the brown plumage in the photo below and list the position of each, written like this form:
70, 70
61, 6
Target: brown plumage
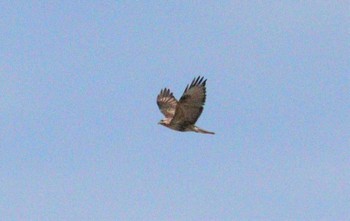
182, 115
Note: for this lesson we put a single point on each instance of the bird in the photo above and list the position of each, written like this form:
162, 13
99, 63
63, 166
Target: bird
183, 114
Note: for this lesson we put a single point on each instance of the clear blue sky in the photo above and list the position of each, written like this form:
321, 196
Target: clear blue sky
78, 125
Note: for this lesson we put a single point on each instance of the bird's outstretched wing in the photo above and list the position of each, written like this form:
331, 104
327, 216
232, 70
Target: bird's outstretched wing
190, 105
167, 103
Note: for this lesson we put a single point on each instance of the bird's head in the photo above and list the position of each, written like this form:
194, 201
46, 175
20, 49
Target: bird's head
165, 122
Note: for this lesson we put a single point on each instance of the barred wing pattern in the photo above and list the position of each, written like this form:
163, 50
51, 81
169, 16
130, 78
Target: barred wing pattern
190, 105
167, 103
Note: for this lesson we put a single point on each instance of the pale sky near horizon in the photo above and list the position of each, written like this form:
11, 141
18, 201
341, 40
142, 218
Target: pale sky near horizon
79, 135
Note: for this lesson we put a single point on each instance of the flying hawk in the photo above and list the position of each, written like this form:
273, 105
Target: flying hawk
182, 115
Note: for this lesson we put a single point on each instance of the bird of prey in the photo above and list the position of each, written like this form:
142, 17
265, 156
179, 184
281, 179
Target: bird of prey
182, 115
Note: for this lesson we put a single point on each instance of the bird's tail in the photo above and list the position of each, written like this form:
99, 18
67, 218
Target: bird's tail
199, 130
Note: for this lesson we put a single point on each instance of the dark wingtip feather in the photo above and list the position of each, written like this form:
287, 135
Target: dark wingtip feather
199, 81
196, 82
187, 87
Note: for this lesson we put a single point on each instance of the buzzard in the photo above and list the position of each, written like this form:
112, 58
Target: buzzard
182, 115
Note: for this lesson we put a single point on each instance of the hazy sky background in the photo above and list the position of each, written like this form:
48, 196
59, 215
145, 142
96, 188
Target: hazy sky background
78, 117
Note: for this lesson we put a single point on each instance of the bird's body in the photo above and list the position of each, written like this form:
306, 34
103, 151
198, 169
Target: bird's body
182, 115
